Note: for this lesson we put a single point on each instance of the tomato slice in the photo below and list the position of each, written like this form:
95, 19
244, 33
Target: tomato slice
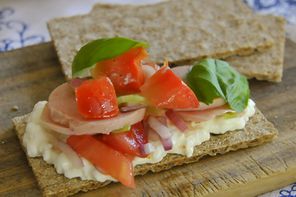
139, 133
96, 99
129, 142
166, 90
104, 158
124, 71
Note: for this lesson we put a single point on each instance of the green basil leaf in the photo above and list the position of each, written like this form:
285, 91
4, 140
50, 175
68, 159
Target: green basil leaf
101, 49
234, 85
211, 78
204, 82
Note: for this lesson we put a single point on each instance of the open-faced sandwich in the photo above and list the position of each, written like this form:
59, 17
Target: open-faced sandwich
122, 115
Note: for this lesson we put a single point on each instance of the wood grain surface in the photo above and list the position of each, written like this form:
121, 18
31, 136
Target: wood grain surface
28, 75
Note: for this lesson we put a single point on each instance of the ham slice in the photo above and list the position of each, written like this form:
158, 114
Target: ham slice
61, 115
48, 123
204, 115
216, 103
57, 143
202, 106
76, 82
105, 126
62, 105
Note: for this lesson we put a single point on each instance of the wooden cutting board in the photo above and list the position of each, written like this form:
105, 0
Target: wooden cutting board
28, 75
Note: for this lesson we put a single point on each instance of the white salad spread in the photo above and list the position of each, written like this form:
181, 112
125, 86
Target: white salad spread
37, 141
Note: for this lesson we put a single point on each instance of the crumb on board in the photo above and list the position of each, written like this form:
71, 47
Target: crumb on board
15, 108
275, 116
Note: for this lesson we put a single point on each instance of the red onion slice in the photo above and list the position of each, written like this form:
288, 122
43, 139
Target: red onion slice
167, 143
147, 148
176, 120
128, 108
152, 135
161, 129
163, 120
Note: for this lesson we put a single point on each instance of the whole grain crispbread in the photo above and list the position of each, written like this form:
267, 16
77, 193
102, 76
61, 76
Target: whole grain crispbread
267, 65
176, 30
258, 130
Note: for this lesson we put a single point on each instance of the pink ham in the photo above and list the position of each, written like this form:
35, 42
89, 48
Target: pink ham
105, 126
62, 105
63, 117
204, 115
48, 123
216, 103
57, 143
76, 82
202, 106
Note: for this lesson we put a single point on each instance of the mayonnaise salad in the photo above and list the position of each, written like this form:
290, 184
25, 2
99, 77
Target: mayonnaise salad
37, 141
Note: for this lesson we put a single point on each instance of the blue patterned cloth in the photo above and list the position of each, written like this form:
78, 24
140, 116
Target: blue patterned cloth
17, 31
289, 192
285, 8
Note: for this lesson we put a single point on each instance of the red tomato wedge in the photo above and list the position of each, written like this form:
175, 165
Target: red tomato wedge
129, 142
96, 99
125, 71
165, 90
139, 133
104, 158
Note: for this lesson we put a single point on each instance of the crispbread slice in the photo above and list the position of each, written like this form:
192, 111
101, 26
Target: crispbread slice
257, 131
176, 30
267, 65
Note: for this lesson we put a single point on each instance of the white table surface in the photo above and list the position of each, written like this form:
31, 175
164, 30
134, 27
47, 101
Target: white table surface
23, 23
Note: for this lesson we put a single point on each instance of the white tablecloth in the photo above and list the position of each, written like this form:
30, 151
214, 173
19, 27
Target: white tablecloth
23, 23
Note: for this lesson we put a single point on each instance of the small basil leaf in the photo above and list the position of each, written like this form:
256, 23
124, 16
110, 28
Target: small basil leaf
101, 49
204, 82
211, 78
235, 86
